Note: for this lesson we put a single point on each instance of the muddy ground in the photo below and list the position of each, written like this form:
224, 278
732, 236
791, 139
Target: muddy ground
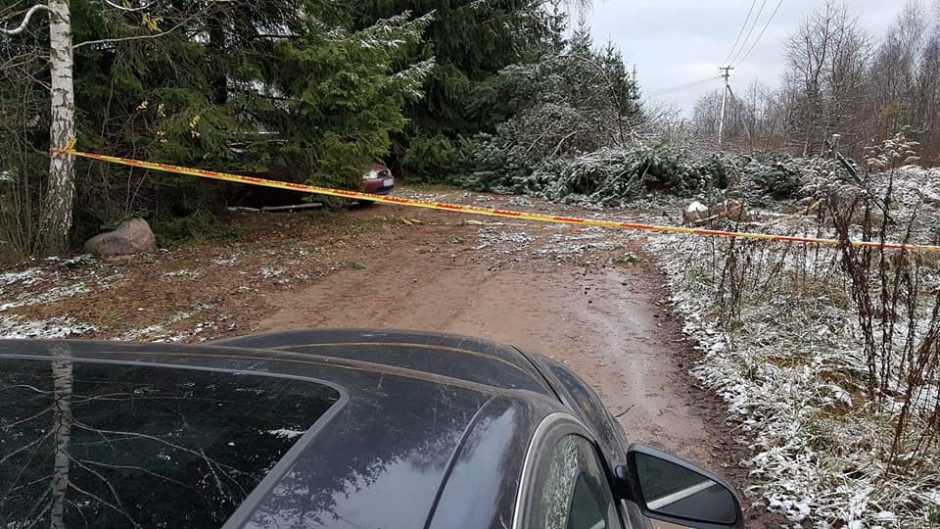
588, 297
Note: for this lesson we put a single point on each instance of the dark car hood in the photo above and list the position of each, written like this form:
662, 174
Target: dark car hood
462, 357
379, 457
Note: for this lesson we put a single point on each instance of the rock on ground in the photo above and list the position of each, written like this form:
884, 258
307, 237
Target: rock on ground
131, 237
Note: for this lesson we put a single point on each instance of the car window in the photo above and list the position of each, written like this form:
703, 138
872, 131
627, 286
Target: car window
105, 445
571, 489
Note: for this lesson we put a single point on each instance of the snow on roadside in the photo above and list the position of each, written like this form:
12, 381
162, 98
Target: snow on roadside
816, 452
26, 277
502, 240
562, 246
53, 294
14, 327
51, 281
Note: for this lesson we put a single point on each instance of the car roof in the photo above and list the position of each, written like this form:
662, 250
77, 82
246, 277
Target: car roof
460, 357
423, 417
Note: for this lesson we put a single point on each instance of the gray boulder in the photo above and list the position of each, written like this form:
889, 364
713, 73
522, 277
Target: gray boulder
131, 237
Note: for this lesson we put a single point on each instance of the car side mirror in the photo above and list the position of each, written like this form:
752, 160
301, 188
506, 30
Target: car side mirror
669, 489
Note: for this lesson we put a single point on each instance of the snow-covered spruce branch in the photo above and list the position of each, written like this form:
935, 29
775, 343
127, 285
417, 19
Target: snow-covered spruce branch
25, 21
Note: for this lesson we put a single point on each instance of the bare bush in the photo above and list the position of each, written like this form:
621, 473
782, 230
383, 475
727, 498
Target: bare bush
829, 355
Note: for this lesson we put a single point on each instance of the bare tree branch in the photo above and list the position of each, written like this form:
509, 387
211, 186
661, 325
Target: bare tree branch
25, 22
114, 493
130, 9
138, 37
138, 469
104, 502
26, 447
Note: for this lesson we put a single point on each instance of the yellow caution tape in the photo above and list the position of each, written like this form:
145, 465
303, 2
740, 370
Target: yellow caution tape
477, 210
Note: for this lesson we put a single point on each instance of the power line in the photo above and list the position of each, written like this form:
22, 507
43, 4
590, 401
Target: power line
741, 32
679, 88
767, 25
750, 32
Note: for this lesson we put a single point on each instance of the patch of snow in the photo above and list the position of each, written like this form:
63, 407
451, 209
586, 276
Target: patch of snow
186, 274
226, 261
696, 207
25, 278
73, 262
268, 272
562, 246
15, 327
286, 433
148, 332
503, 241
55, 293
427, 197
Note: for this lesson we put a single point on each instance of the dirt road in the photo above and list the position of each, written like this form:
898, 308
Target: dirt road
596, 311
585, 296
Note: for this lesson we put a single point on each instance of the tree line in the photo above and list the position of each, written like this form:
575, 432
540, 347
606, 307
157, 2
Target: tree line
840, 80
302, 90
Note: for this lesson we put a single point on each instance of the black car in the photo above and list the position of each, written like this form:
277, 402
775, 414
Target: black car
326, 428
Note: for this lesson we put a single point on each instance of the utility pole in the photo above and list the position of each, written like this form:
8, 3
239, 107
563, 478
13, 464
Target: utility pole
724, 100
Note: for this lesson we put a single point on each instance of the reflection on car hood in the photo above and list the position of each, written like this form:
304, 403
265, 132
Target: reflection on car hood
379, 456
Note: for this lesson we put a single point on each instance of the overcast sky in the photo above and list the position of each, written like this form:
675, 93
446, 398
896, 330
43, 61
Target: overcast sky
674, 42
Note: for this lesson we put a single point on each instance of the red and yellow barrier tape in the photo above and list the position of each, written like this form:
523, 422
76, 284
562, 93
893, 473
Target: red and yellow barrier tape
477, 210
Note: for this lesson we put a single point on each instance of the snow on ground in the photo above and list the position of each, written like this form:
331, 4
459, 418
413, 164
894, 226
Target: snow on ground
789, 365
503, 240
15, 327
25, 277
53, 280
562, 246
54, 293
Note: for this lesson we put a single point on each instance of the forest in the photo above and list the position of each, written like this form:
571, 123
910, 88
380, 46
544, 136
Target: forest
510, 95
307, 91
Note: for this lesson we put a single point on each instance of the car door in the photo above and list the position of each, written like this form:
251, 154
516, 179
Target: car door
566, 484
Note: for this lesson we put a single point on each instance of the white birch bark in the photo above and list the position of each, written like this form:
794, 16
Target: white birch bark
62, 409
56, 220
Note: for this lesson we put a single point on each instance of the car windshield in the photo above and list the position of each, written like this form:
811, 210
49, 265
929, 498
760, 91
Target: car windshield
104, 445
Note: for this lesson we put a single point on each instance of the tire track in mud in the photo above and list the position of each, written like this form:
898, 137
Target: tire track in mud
603, 321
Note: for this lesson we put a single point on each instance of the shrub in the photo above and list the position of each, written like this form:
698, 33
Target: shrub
777, 177
200, 226
432, 158
608, 176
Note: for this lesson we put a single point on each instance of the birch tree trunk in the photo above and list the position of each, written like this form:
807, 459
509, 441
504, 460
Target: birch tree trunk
62, 409
56, 218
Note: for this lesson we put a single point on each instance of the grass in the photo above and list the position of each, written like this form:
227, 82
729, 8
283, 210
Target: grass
361, 224
317, 214
627, 259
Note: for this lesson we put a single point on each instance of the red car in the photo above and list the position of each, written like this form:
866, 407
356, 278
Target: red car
378, 180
